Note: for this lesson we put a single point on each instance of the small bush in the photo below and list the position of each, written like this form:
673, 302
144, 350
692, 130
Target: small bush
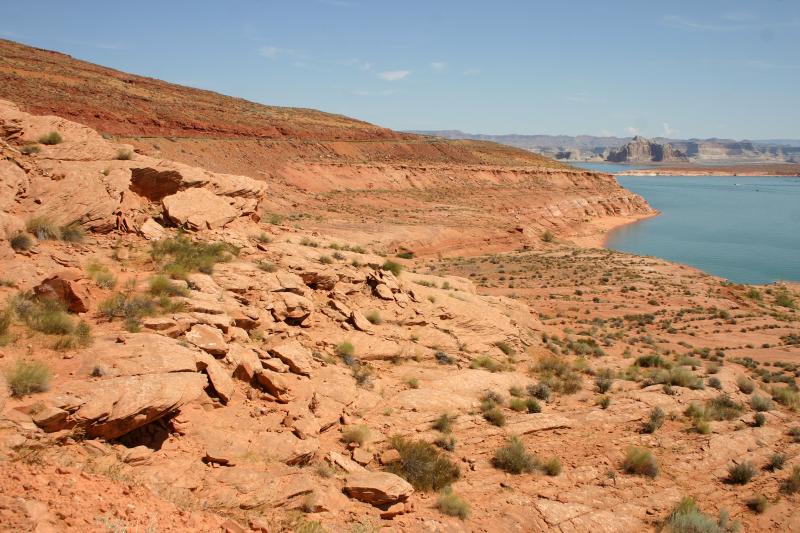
6, 317
27, 377
406, 255
604, 402
655, 421
267, 266
51, 138
487, 363
362, 373
49, 317
715, 383
604, 383
640, 462
552, 467
124, 155
651, 361
355, 434
422, 465
761, 403
345, 348
791, 485
795, 433
517, 404
687, 518
444, 423
776, 462
452, 505
72, 233
723, 408
547, 236
393, 267
326, 260
374, 317
30, 149
163, 286
540, 391
532, 405
495, 416
181, 256
758, 503
745, 385
44, 228
505, 348
741, 473
446, 442
130, 307
759, 420
514, 458
412, 383
785, 396
21, 242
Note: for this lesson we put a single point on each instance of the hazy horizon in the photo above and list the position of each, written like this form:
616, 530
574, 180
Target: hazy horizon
724, 69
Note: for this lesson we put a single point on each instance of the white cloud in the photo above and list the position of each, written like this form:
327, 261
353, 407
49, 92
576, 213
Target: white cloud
667, 130
631, 130
438, 66
472, 71
394, 75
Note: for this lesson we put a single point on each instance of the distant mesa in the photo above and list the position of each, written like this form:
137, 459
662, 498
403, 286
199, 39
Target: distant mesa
641, 150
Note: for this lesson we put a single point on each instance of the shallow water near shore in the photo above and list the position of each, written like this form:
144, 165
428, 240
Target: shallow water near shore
745, 229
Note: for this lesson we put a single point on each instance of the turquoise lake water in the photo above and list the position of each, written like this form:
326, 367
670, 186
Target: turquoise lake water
745, 229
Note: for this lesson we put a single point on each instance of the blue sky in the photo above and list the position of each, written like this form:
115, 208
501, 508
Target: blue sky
722, 68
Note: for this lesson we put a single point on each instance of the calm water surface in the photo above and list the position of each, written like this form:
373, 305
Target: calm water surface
745, 229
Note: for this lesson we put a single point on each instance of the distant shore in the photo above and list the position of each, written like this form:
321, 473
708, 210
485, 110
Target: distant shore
602, 228
756, 169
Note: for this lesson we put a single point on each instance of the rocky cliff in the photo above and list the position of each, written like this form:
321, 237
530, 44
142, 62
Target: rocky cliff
641, 150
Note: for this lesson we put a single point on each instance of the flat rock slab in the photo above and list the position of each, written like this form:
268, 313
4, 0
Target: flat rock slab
538, 422
207, 338
295, 355
377, 488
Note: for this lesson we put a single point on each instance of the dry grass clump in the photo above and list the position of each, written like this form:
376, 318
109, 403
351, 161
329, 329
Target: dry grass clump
451, 504
124, 155
180, 256
392, 266
514, 458
355, 434
444, 423
21, 242
640, 461
51, 138
27, 377
791, 485
422, 465
161, 285
687, 518
655, 421
745, 385
742, 473
487, 363
374, 317
558, 375
128, 306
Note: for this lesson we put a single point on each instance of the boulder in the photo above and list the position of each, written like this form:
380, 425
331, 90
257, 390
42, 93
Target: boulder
152, 230
111, 408
68, 286
384, 292
207, 338
291, 306
359, 321
218, 376
295, 355
197, 209
377, 488
275, 384
345, 463
322, 279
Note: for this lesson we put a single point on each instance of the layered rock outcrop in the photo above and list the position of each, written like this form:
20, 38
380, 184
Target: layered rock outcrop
641, 150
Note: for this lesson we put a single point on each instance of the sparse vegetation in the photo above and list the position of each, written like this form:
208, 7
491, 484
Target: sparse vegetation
28, 377
51, 138
422, 465
44, 228
552, 466
745, 385
124, 155
514, 458
791, 485
374, 317
21, 242
742, 473
640, 461
758, 503
392, 266
655, 421
487, 363
180, 256
687, 518
444, 423
557, 375
452, 505
776, 462
355, 434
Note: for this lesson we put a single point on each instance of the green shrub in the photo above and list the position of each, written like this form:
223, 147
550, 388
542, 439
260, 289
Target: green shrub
355, 434
540, 391
761, 403
163, 286
326, 260
604, 382
274, 218
51, 138
742, 473
21, 242
422, 465
406, 255
759, 420
745, 385
267, 266
345, 348
374, 317
758, 503
557, 375
128, 306
446, 442
444, 423
784, 298
27, 377
640, 462
81, 337
715, 383
723, 408
452, 505
412, 383
791, 485
180, 256
776, 462
44, 228
652, 361
487, 363
604, 402
72, 233
124, 155
393, 267
505, 348
687, 518
551, 467
655, 421
547, 236
794, 432
532, 405
30, 149
49, 317
6, 317
517, 404
785, 396
495, 416
514, 458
